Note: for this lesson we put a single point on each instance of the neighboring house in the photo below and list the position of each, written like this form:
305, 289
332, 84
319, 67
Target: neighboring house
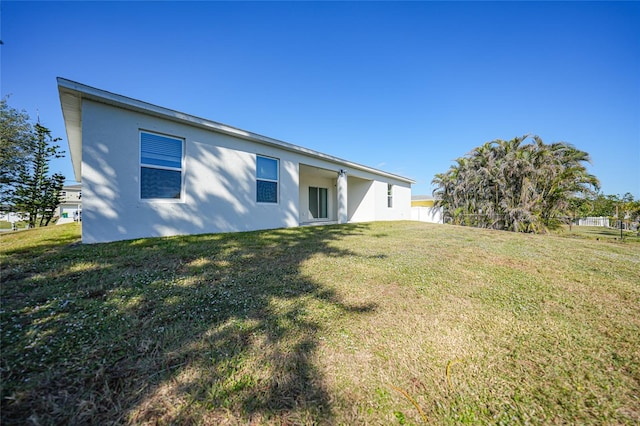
150, 171
422, 209
70, 207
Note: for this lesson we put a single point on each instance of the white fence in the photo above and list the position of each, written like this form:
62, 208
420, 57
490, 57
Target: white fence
427, 214
13, 217
594, 221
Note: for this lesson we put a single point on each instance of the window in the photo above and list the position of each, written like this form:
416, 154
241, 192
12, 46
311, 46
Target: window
267, 179
318, 202
160, 166
389, 195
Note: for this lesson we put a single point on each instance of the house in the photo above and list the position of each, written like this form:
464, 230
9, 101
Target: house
422, 201
151, 171
423, 209
70, 207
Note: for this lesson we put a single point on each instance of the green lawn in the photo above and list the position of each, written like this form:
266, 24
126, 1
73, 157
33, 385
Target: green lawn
601, 233
4, 224
378, 323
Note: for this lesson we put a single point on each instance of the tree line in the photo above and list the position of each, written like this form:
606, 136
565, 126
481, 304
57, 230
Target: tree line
522, 185
26, 184
615, 207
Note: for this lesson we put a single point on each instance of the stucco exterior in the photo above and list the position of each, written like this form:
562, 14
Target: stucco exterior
218, 174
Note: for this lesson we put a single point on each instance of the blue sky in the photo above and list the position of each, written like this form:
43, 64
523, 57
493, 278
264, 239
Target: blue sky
406, 87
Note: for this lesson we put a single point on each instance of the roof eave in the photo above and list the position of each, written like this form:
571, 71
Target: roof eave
71, 103
72, 93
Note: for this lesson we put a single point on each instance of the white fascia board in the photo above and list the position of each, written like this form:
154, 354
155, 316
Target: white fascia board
71, 103
71, 94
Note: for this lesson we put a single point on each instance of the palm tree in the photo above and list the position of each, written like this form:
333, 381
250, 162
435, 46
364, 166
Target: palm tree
564, 182
516, 185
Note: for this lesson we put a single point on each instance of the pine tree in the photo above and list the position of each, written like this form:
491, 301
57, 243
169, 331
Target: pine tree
36, 193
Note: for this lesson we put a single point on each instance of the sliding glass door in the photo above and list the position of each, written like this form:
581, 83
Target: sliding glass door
318, 202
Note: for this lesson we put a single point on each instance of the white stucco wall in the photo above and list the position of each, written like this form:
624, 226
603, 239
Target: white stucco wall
218, 172
368, 200
361, 200
401, 209
219, 189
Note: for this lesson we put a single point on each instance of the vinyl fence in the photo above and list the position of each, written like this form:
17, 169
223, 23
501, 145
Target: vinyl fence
427, 214
594, 221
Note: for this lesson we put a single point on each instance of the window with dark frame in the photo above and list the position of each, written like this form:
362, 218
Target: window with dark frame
389, 195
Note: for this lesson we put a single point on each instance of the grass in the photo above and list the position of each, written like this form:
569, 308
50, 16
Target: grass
380, 323
5, 224
600, 233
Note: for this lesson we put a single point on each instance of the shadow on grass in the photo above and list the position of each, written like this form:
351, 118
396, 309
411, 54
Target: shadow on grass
197, 329
604, 232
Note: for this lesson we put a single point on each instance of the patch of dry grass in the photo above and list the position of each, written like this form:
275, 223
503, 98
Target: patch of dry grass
381, 323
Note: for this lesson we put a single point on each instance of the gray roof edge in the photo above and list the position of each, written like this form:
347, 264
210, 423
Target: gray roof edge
125, 102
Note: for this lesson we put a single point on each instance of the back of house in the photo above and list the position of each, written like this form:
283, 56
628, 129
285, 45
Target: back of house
150, 171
